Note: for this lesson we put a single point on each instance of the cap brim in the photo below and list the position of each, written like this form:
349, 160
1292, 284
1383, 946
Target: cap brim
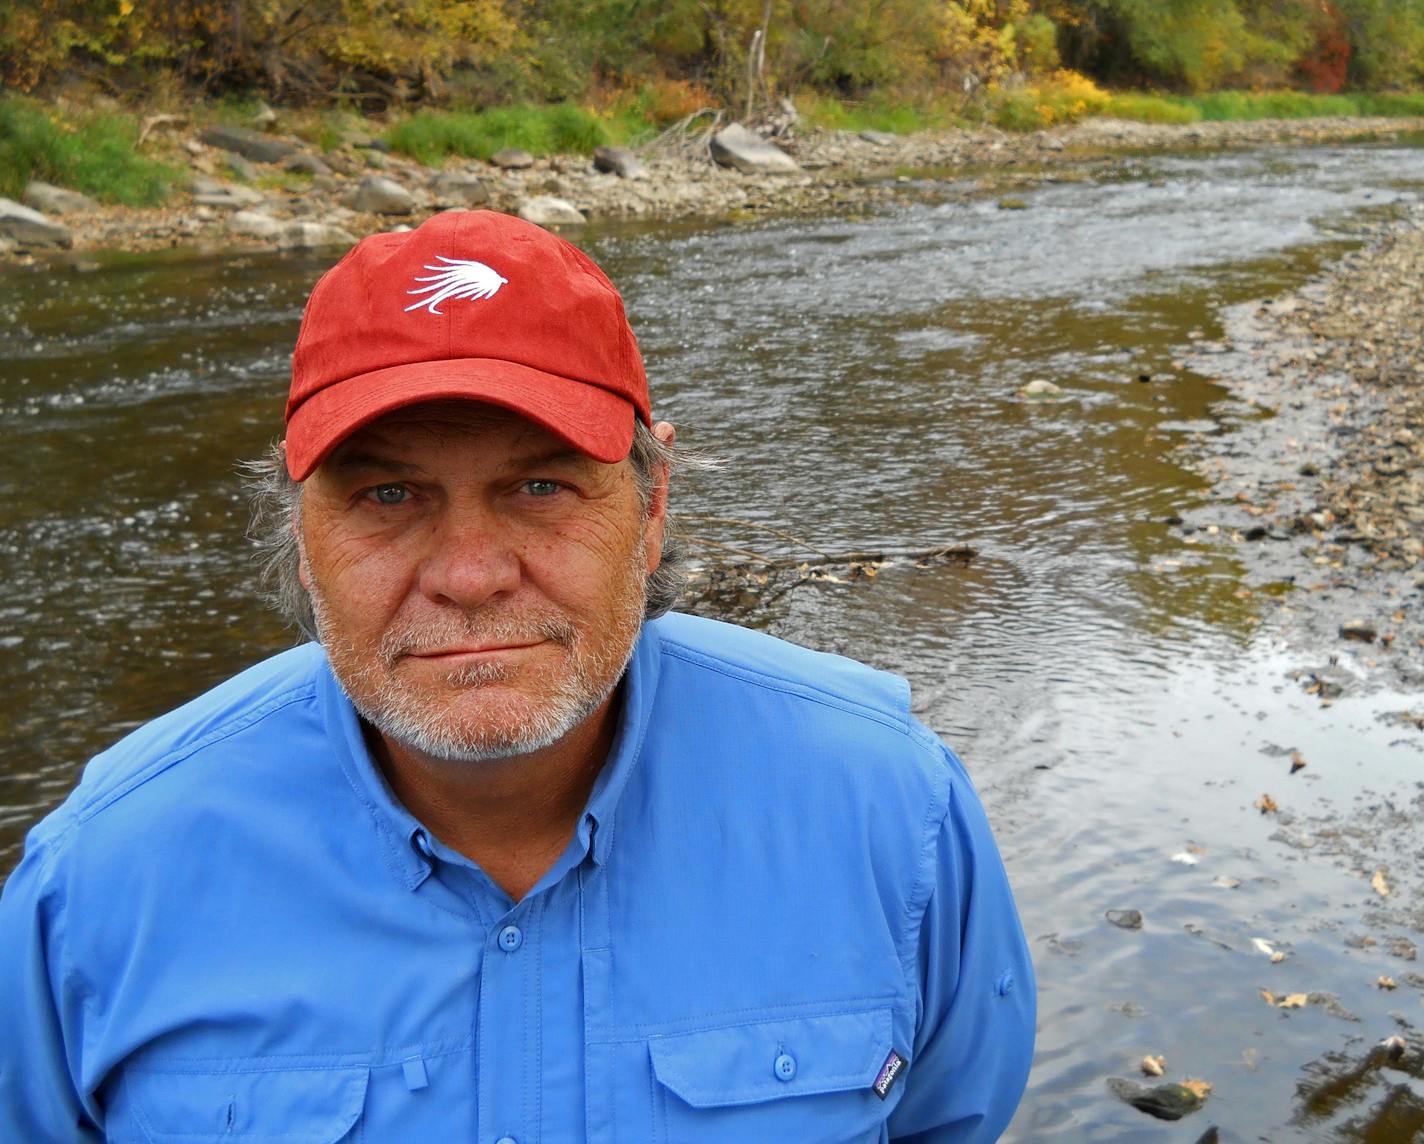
592, 420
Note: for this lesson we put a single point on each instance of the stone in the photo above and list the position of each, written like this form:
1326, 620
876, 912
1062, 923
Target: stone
1039, 389
547, 210
879, 138
240, 167
249, 144
1164, 1101
50, 199
1048, 142
302, 234
512, 159
734, 146
1361, 630
215, 193
30, 228
454, 189
1125, 919
619, 161
255, 224
376, 194
305, 163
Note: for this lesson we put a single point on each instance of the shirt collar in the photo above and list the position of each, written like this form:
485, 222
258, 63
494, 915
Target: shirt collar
406, 844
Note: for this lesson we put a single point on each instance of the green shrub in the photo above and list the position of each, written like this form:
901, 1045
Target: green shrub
96, 154
1392, 103
429, 136
840, 115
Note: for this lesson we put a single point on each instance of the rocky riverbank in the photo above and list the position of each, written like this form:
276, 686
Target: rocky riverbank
1319, 481
254, 190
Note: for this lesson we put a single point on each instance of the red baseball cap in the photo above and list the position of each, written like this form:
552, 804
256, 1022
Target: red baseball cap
470, 304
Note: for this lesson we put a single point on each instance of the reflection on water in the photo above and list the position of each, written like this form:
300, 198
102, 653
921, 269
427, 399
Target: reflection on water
859, 378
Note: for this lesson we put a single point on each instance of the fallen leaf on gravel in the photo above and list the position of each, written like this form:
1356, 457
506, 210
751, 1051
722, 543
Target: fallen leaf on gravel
1226, 881
1266, 804
1198, 1087
1385, 982
1297, 763
1380, 885
1293, 1001
1154, 1066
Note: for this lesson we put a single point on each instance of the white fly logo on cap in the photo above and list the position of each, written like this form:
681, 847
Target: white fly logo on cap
458, 278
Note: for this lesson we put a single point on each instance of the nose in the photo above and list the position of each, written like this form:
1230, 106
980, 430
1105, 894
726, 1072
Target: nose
472, 558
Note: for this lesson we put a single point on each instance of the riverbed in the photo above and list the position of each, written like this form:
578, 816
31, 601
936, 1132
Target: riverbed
1106, 677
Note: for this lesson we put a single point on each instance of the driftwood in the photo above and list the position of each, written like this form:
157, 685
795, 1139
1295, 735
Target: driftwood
151, 123
753, 580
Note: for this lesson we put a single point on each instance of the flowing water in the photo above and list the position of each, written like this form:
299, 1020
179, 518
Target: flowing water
858, 376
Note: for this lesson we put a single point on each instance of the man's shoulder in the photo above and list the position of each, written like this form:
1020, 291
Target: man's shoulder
763, 661
239, 704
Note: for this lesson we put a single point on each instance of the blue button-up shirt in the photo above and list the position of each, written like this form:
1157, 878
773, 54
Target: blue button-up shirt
781, 917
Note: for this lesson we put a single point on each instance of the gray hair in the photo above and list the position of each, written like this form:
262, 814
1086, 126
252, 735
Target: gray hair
276, 501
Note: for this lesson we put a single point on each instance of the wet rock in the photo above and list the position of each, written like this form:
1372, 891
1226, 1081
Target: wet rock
734, 146
249, 144
1362, 630
454, 189
302, 234
1048, 142
307, 164
547, 210
29, 227
255, 224
512, 159
1125, 919
878, 138
377, 194
49, 199
1040, 390
1164, 1101
619, 161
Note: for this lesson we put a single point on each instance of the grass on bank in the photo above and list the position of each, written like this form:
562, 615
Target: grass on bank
562, 128
94, 153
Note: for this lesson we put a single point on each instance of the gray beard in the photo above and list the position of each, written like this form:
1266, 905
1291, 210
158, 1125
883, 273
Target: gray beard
404, 716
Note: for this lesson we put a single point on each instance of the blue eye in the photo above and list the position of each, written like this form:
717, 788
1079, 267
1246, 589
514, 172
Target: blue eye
540, 488
389, 494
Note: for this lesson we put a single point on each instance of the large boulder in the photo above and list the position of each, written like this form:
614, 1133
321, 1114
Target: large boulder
512, 159
619, 161
249, 144
30, 228
57, 200
547, 210
376, 194
454, 189
735, 146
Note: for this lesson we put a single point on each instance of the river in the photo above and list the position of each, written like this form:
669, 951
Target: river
1103, 679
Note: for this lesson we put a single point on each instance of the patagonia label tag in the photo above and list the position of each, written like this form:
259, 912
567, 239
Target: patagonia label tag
885, 1078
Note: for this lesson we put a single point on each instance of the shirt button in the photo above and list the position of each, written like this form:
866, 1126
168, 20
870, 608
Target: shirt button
510, 939
506, 1140
785, 1066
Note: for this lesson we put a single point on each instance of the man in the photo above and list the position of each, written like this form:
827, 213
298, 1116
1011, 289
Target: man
505, 857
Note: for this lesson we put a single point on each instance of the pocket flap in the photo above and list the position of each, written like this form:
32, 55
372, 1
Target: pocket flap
280, 1106
747, 1063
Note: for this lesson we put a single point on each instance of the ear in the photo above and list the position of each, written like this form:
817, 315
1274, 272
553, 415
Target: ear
655, 524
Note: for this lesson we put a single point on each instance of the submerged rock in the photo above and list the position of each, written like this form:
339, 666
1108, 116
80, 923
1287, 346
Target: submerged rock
1125, 919
1164, 1101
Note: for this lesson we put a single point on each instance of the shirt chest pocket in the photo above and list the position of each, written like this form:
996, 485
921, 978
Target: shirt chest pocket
269, 1106
807, 1079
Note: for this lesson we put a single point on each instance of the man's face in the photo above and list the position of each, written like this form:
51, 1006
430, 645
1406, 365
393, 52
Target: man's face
478, 584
